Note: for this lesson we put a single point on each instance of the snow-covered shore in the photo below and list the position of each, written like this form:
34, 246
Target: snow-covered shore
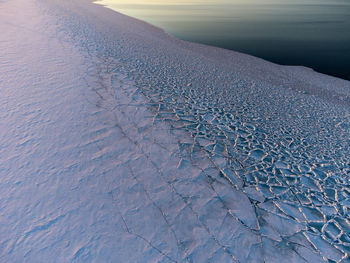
120, 143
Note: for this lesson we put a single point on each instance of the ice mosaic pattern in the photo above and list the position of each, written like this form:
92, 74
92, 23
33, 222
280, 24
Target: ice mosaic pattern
179, 152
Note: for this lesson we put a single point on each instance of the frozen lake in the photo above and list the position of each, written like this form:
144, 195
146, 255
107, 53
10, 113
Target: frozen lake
313, 33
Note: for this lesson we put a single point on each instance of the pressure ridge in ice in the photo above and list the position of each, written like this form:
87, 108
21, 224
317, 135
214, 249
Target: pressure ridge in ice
119, 143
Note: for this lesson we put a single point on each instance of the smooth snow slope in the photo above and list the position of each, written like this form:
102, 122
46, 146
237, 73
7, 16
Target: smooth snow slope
119, 143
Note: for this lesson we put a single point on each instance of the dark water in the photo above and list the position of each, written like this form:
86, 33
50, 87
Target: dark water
314, 33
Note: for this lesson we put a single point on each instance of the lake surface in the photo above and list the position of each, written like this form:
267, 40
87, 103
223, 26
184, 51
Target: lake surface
313, 33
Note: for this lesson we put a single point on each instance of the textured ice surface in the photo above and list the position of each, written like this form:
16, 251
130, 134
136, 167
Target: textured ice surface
119, 143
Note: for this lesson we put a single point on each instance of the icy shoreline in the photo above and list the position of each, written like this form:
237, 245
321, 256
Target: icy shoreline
120, 143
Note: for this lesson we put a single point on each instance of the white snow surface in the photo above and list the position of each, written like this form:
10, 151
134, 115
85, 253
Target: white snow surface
120, 143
